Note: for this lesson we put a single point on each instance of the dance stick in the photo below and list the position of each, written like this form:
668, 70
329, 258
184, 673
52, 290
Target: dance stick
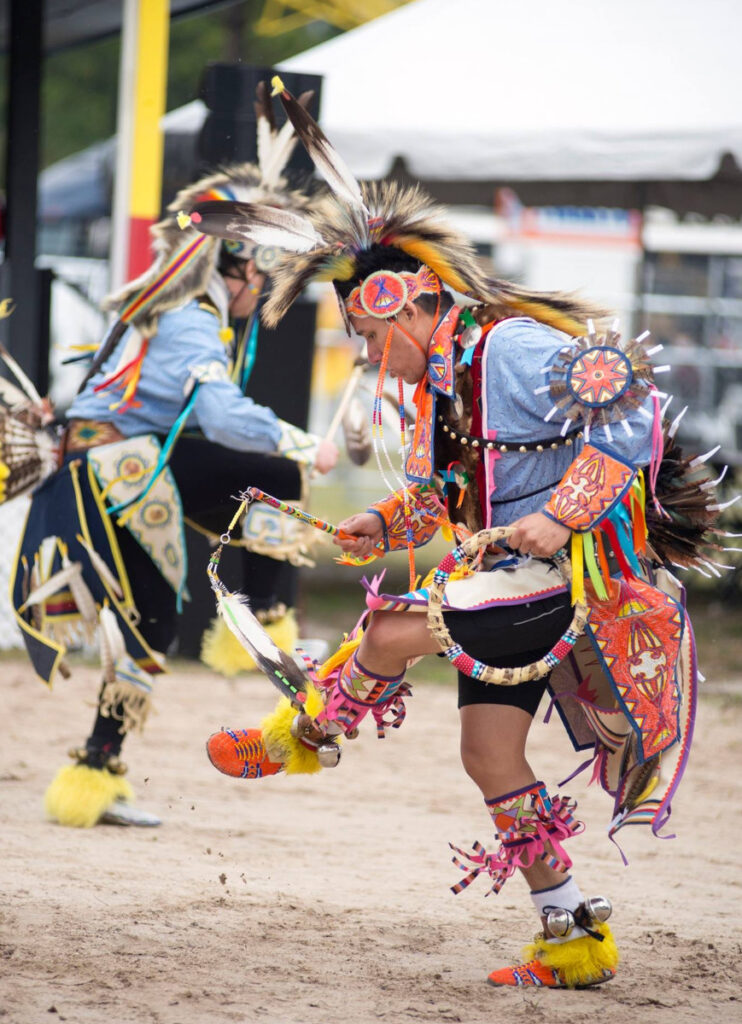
255, 494
350, 388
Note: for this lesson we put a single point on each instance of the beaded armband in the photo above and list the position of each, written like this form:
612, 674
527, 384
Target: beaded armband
297, 444
601, 496
426, 516
592, 486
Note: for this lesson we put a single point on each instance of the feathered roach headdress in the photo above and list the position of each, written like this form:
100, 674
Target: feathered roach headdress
359, 226
185, 259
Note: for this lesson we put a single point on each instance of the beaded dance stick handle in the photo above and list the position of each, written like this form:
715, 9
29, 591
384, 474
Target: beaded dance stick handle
463, 555
255, 494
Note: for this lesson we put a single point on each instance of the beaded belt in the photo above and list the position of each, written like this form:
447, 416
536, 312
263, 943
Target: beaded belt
513, 446
83, 434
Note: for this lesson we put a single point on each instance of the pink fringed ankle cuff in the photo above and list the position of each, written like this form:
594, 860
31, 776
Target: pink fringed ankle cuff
530, 827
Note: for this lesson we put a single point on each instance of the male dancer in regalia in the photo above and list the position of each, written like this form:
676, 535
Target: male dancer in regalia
528, 417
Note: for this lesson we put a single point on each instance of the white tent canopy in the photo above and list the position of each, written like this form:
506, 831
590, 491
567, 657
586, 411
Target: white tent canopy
543, 90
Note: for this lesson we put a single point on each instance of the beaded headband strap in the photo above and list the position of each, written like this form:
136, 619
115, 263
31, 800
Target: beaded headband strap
384, 293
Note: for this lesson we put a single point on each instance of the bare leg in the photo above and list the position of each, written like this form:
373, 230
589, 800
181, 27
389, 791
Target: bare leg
493, 752
493, 736
392, 639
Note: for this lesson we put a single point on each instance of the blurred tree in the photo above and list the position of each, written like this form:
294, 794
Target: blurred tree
78, 98
79, 91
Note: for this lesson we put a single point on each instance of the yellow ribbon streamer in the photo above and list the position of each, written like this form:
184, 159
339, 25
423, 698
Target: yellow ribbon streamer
578, 570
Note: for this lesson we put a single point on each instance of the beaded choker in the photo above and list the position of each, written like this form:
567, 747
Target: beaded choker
547, 443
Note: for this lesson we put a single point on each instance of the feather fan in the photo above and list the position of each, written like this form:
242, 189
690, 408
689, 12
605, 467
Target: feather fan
28, 451
27, 385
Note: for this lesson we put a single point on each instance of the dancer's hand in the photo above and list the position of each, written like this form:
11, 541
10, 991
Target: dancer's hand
537, 534
327, 456
366, 530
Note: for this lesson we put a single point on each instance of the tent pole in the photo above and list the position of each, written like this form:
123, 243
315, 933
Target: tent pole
119, 254
641, 270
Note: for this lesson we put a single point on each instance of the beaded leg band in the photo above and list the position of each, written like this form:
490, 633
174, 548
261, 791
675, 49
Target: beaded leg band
530, 827
357, 691
97, 757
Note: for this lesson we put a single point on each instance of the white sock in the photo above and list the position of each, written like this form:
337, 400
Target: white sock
567, 895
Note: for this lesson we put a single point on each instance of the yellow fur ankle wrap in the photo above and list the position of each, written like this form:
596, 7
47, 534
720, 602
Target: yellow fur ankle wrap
578, 961
281, 745
222, 651
79, 795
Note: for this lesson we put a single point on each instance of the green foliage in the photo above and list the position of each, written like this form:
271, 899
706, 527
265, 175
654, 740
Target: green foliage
80, 85
78, 99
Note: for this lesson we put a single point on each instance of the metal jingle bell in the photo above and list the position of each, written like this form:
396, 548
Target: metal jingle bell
599, 908
329, 754
560, 922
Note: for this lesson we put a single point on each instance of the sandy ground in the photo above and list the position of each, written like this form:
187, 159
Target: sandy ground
324, 900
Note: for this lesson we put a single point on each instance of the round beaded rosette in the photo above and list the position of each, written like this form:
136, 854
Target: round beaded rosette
598, 379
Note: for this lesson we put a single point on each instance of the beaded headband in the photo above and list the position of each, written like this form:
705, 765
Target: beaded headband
384, 293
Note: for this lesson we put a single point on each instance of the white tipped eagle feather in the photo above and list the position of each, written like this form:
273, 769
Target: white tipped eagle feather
252, 222
245, 627
281, 147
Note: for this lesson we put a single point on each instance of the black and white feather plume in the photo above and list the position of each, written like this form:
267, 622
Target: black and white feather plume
327, 160
278, 666
275, 145
256, 184
252, 222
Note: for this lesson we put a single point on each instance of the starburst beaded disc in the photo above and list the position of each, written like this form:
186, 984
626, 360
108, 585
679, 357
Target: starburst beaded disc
599, 376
